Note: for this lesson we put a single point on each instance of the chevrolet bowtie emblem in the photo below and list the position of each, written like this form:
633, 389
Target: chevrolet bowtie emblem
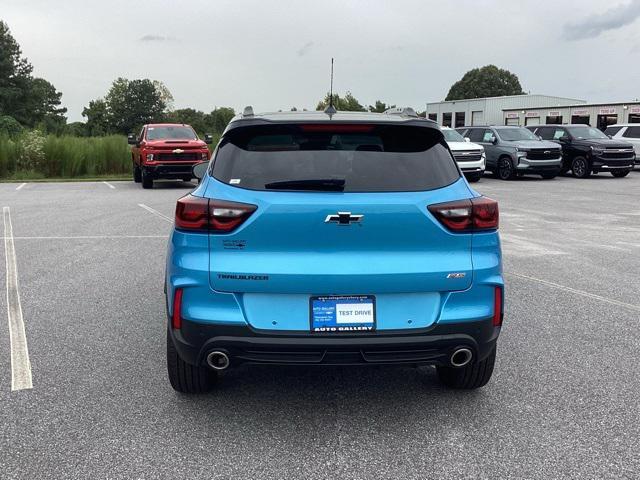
343, 218
178, 150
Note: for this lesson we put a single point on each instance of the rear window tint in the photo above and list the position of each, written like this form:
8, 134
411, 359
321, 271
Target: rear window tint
369, 158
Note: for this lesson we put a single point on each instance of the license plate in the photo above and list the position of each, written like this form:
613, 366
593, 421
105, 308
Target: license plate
353, 313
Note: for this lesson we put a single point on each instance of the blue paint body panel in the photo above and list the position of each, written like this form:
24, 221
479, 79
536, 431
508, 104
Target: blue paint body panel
399, 253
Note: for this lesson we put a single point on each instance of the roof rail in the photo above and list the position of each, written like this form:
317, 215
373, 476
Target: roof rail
248, 111
404, 111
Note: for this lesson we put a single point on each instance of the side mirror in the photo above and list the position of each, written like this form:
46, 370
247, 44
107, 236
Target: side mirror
131, 139
494, 140
467, 139
199, 169
564, 139
538, 137
208, 138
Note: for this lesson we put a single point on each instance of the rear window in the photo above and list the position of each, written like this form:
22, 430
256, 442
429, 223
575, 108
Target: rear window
362, 158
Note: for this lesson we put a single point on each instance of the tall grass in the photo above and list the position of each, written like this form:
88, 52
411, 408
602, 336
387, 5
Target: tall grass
67, 156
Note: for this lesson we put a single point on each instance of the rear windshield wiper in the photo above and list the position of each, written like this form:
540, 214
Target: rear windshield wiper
328, 184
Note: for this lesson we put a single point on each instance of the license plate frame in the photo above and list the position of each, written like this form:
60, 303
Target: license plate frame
324, 316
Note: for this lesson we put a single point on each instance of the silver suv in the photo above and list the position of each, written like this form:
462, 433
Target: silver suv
515, 151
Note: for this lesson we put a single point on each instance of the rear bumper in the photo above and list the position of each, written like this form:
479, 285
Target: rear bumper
432, 346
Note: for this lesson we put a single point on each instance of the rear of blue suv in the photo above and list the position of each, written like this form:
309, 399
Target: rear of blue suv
345, 239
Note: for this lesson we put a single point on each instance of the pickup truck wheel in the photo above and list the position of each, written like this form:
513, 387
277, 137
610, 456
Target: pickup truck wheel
473, 177
474, 375
505, 169
580, 167
187, 378
620, 173
147, 181
137, 174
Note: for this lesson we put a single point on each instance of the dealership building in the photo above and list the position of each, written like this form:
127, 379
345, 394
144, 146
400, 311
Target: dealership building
531, 110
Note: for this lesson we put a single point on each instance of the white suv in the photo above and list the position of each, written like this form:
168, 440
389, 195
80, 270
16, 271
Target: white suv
629, 132
469, 156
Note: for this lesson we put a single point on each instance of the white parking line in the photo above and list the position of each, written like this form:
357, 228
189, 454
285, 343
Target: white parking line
155, 212
109, 185
577, 292
91, 237
20, 364
19, 187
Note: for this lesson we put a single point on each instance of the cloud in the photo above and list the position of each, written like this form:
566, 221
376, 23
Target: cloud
594, 25
305, 49
156, 38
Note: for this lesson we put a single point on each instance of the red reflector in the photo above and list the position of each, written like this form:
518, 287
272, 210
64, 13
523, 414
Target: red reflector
473, 215
176, 318
191, 213
497, 307
336, 127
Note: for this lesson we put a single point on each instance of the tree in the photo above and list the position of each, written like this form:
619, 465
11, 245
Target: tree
9, 125
97, 117
219, 118
348, 103
380, 107
15, 72
29, 100
132, 103
488, 81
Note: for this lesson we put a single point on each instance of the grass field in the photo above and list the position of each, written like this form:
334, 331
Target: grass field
33, 156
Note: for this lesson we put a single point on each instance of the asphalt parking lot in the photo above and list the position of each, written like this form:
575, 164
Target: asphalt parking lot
563, 401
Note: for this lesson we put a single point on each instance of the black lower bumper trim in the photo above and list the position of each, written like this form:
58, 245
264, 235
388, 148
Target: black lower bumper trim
244, 345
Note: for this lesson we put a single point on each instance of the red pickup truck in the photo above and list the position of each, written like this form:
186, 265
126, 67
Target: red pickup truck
166, 150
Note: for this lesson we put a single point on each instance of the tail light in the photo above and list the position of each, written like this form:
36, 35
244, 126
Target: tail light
210, 215
498, 313
176, 318
463, 216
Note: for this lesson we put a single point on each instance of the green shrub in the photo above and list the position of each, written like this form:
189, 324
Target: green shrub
32, 155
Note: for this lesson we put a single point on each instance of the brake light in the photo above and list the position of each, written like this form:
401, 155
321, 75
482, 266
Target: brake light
337, 128
227, 216
216, 216
176, 318
497, 307
476, 214
192, 213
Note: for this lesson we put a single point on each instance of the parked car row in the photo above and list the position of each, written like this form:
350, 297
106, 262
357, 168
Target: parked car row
548, 150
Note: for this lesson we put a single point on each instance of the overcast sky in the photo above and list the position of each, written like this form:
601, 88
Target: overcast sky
276, 54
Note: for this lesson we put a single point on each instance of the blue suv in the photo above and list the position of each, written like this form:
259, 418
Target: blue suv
330, 238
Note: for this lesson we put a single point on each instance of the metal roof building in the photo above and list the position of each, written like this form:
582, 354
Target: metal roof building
489, 110
599, 115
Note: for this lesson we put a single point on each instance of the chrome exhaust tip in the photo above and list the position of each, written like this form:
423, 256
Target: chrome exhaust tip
218, 360
461, 357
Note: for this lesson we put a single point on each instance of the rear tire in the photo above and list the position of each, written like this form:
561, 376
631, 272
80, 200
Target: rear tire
580, 167
505, 169
474, 375
137, 174
187, 378
147, 181
620, 173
